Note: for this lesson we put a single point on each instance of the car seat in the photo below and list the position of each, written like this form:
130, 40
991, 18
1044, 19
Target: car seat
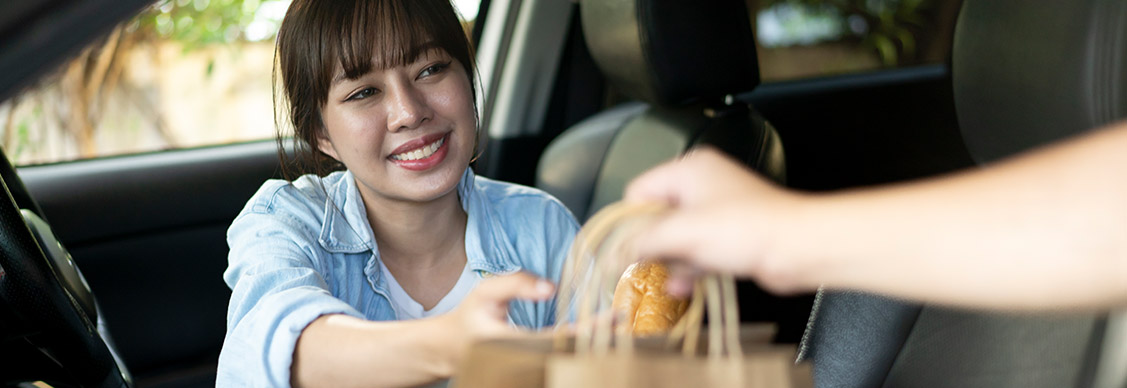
1024, 74
681, 76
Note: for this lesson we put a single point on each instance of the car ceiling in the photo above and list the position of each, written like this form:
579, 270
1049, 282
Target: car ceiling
37, 35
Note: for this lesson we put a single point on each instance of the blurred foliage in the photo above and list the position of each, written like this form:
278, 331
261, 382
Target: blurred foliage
197, 23
890, 27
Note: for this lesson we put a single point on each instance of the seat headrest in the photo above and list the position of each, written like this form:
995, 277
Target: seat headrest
672, 52
1027, 73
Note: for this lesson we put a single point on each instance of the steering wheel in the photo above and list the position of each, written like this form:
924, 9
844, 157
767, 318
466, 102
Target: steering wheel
50, 329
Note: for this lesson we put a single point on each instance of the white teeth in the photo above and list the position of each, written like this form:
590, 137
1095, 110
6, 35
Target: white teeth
420, 153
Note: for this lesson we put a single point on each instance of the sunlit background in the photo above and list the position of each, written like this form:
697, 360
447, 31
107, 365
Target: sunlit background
190, 73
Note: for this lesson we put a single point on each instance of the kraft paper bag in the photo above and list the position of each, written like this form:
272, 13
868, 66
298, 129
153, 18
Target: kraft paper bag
532, 362
603, 354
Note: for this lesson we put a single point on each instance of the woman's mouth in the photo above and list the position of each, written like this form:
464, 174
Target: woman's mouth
420, 153
424, 157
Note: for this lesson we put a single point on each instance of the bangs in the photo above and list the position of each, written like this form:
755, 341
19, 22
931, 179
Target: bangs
387, 34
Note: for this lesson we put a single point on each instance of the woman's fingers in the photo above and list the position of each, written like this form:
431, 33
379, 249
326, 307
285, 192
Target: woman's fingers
483, 314
520, 285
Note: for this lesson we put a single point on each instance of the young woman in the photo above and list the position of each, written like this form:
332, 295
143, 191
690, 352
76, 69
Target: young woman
383, 272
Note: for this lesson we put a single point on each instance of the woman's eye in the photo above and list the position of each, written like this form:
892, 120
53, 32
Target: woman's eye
365, 93
434, 69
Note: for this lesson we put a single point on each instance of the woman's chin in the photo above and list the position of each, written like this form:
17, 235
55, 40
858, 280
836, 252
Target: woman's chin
432, 187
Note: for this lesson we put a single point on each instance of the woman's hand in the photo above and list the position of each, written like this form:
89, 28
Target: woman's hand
344, 351
725, 218
484, 312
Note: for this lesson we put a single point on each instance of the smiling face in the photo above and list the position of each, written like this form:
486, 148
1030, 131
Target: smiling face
366, 81
406, 132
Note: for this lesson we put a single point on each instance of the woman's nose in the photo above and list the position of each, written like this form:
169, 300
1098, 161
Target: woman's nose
407, 109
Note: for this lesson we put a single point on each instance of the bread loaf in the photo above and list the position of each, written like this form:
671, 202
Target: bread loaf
641, 301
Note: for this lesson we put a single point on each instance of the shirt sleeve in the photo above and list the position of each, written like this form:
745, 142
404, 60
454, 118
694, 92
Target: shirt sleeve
277, 290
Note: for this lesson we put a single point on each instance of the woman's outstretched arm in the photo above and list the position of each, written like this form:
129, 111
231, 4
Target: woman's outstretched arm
345, 351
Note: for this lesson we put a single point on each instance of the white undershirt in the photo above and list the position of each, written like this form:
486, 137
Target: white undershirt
407, 308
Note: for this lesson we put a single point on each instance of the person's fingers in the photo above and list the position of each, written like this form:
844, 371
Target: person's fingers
702, 152
670, 237
519, 285
669, 181
697, 174
681, 279
657, 184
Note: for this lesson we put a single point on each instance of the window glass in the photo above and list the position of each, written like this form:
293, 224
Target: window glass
467, 10
810, 38
182, 73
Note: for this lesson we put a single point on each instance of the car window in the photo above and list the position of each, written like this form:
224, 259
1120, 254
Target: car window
180, 74
811, 38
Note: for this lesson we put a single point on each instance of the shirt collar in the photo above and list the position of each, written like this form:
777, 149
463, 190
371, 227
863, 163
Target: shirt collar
346, 228
486, 240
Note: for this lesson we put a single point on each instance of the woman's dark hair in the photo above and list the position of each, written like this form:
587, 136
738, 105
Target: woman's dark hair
317, 36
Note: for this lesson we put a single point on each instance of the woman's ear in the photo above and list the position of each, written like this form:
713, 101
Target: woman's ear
325, 145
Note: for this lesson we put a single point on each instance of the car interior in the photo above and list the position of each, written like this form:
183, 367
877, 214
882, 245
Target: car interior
577, 98
1009, 96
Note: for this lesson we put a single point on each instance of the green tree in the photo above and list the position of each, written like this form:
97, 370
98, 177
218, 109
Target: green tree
83, 85
197, 23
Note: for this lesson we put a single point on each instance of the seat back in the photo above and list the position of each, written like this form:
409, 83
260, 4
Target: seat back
1024, 74
680, 76
1027, 73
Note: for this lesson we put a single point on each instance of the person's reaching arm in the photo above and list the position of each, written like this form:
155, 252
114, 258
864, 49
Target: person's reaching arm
1046, 229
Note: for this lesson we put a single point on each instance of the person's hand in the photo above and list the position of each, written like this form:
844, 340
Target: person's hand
484, 312
723, 218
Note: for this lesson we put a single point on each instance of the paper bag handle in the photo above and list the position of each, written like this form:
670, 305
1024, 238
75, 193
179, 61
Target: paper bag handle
597, 255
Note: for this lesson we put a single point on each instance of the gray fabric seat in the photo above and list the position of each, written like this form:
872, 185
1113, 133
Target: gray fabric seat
1024, 73
680, 74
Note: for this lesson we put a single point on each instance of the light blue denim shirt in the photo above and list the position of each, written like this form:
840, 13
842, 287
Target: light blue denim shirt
304, 249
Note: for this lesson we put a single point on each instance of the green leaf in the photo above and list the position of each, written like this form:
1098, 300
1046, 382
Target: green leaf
907, 42
885, 48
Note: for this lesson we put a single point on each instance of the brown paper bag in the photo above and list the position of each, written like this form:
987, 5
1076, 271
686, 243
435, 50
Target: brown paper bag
531, 362
726, 355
